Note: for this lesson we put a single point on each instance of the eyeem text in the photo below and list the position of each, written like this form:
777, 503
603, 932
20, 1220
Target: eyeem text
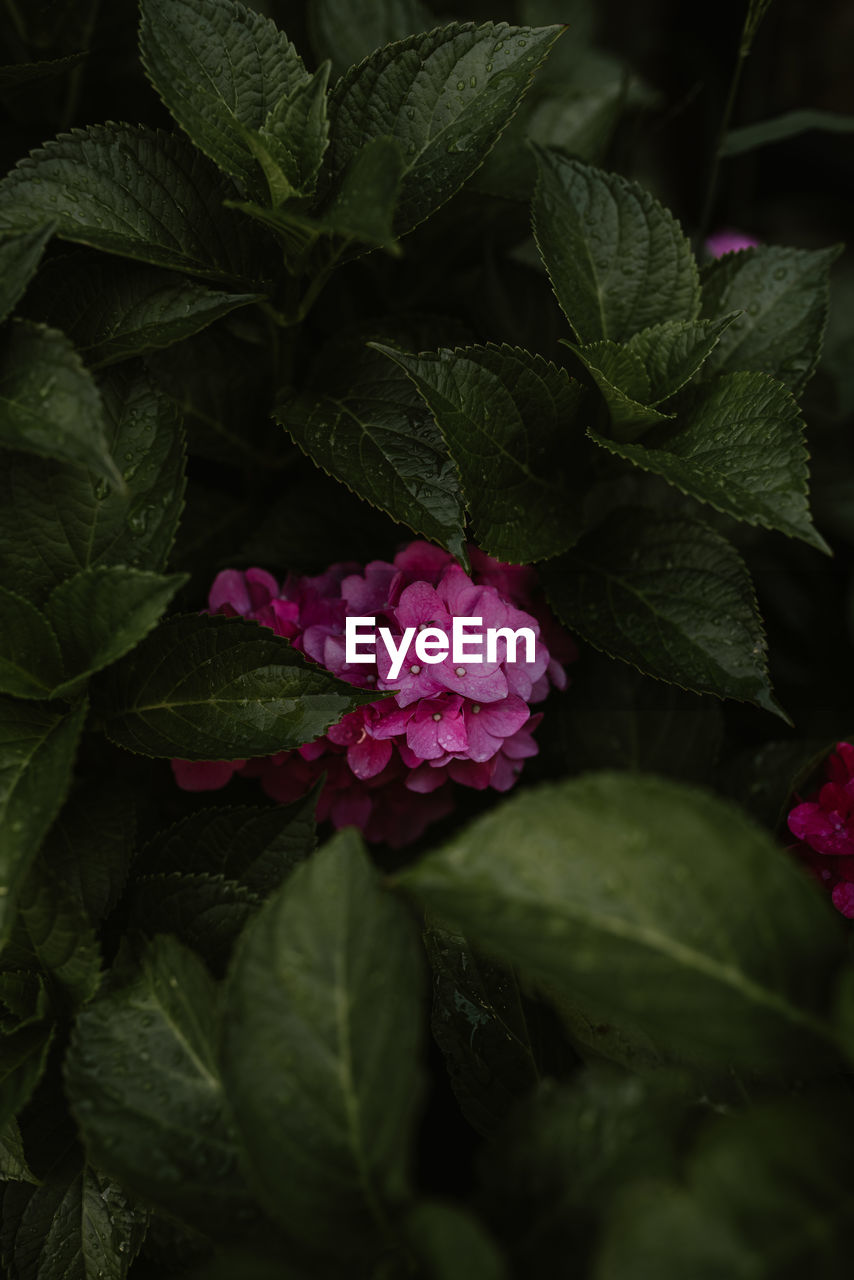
432, 644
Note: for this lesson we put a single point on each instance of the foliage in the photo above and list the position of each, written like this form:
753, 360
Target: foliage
352, 273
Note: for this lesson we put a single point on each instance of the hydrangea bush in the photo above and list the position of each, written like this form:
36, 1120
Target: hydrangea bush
324, 312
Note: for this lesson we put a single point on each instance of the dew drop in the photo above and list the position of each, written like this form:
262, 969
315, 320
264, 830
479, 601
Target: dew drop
476, 709
415, 670
489, 66
521, 43
461, 84
473, 82
410, 113
459, 671
437, 715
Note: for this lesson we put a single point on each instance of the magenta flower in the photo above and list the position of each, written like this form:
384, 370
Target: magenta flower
824, 826
728, 240
390, 767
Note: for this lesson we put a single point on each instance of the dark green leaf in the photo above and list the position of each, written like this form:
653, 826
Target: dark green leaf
783, 294
444, 96
780, 128
49, 403
617, 718
372, 431
290, 145
321, 1035
28, 1032
639, 897
221, 69
56, 520
13, 1161
91, 844
450, 1244
258, 847
766, 1196
36, 754
137, 193
78, 1225
112, 310
100, 614
479, 1024
206, 912
625, 386
20, 254
618, 260
659, 1232
346, 31
738, 445
30, 660
511, 423
215, 688
61, 936
144, 1085
553, 1171
670, 596
20, 74
651, 367
365, 204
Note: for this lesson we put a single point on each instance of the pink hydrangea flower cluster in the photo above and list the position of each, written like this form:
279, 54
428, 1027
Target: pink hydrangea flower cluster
824, 825
390, 765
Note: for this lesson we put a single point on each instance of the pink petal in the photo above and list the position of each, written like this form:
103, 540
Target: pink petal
368, 757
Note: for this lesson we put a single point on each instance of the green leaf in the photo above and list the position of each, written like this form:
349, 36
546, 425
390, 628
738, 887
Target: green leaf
18, 74
783, 294
659, 1232
641, 898
625, 386
322, 1027
56, 520
365, 204
346, 31
780, 128
28, 1031
49, 403
618, 260
510, 421
100, 614
290, 145
257, 847
738, 445
143, 1083
479, 1022
20, 254
13, 1161
215, 688
61, 936
450, 1244
77, 1225
371, 430
113, 310
618, 719
445, 96
37, 750
206, 912
91, 845
223, 71
30, 659
554, 1168
105, 187
766, 1194
670, 596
